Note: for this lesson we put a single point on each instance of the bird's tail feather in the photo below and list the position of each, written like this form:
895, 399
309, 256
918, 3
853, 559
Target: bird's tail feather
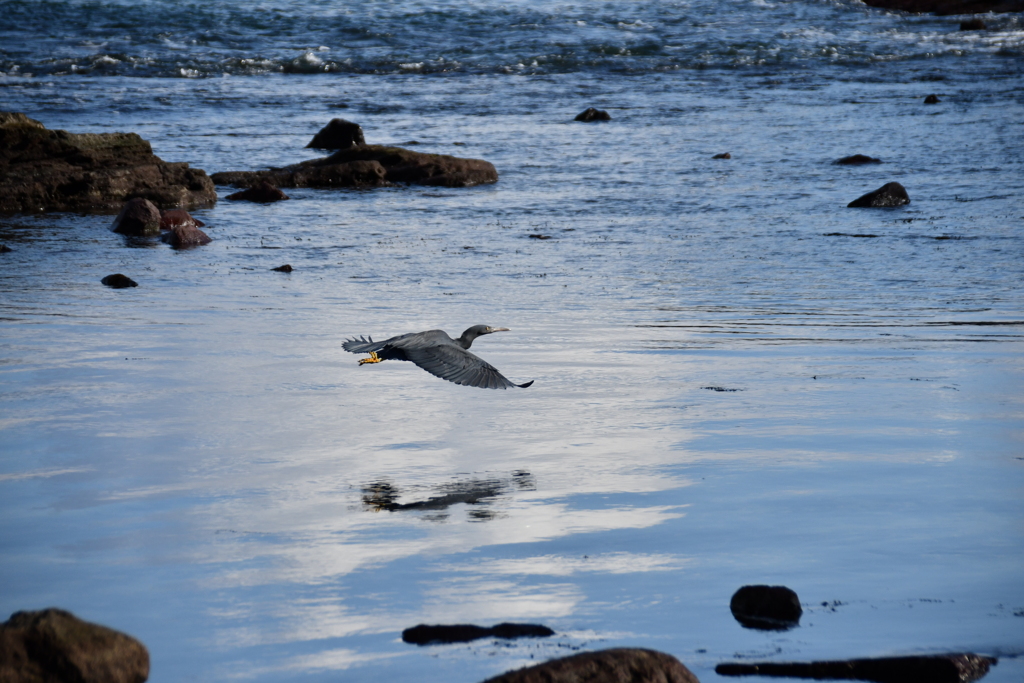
362, 345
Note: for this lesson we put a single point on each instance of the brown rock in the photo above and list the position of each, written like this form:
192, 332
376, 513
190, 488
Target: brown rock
890, 194
173, 217
953, 668
286, 268
182, 236
338, 134
945, 7
932, 99
592, 114
53, 170
768, 608
54, 646
116, 281
261, 192
371, 166
620, 665
138, 217
723, 155
857, 160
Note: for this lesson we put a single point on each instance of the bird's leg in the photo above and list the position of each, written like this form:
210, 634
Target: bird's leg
374, 358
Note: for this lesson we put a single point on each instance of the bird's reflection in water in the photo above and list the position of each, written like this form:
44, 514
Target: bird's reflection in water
480, 493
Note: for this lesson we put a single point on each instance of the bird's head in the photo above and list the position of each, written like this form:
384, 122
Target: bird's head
477, 330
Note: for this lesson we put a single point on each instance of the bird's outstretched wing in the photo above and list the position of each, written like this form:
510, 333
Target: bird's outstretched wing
367, 345
455, 364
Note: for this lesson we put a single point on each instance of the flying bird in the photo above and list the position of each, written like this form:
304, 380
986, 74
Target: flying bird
438, 354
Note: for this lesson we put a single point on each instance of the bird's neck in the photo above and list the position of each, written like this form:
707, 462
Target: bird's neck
466, 340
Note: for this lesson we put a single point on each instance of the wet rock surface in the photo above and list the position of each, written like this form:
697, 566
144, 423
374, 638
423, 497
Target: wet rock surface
261, 192
945, 7
440, 634
54, 170
767, 608
592, 114
890, 194
952, 668
174, 217
286, 268
183, 236
974, 24
369, 166
619, 665
118, 281
138, 217
932, 99
857, 160
338, 134
55, 646
4, 249
723, 155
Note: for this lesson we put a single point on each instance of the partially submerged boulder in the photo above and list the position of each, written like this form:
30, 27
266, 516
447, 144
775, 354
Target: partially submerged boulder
591, 114
953, 668
723, 155
768, 608
53, 170
182, 236
54, 646
890, 194
139, 217
338, 134
463, 633
116, 281
618, 665
857, 160
946, 7
175, 217
261, 192
932, 99
973, 24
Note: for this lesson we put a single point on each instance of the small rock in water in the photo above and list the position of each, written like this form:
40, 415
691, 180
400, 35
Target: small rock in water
618, 665
118, 281
723, 155
182, 236
52, 645
767, 608
538, 236
173, 217
138, 217
286, 268
857, 160
592, 114
932, 99
4, 249
463, 633
953, 668
338, 134
262, 193
890, 194
974, 24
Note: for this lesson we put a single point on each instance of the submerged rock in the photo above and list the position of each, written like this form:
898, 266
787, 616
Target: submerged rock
117, 281
619, 665
173, 217
464, 633
890, 194
286, 268
260, 192
723, 155
932, 99
182, 236
4, 249
973, 24
54, 646
857, 160
768, 608
953, 668
338, 134
53, 170
138, 217
946, 7
591, 114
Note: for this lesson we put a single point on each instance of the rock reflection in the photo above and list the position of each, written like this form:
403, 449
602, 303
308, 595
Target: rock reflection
479, 492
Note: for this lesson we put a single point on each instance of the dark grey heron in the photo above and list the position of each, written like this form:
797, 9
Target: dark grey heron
438, 354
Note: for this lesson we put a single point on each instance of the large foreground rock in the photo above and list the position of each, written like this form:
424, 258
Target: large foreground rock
890, 194
621, 665
54, 646
53, 170
944, 7
370, 166
954, 668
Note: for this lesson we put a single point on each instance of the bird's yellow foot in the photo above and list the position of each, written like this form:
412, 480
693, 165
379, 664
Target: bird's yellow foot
374, 358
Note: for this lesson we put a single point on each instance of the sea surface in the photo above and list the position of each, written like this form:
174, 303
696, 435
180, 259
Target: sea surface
738, 380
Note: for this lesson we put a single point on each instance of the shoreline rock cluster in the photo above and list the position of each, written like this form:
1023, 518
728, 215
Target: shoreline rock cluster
948, 7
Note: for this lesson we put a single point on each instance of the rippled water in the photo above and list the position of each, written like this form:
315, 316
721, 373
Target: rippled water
738, 379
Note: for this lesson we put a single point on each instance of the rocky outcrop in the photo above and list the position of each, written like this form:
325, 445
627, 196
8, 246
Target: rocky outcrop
53, 170
338, 134
954, 668
371, 166
261, 192
946, 7
139, 217
592, 114
116, 281
768, 608
54, 646
620, 665
464, 633
890, 194
856, 160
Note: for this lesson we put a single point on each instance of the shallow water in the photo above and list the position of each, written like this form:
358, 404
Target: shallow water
726, 391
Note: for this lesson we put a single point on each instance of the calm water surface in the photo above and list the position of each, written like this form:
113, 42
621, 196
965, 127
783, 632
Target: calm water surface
727, 392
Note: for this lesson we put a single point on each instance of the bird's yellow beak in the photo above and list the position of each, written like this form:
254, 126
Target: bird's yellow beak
498, 329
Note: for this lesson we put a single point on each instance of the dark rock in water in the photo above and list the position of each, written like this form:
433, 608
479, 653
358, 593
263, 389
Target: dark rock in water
4, 249
768, 608
723, 155
53, 170
538, 236
848, 234
857, 160
946, 7
54, 646
338, 134
371, 166
591, 114
261, 192
890, 194
974, 24
138, 217
953, 668
286, 268
464, 633
118, 281
173, 217
183, 236
618, 665
932, 99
